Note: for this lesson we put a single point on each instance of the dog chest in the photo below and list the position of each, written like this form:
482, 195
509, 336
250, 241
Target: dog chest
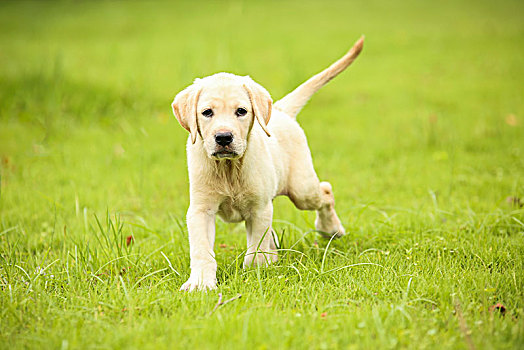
236, 209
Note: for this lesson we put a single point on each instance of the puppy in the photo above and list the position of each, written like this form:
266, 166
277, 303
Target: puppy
242, 152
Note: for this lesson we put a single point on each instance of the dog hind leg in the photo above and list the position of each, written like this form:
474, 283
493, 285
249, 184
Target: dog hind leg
307, 193
327, 219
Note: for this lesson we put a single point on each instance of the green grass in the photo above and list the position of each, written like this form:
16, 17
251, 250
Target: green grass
422, 139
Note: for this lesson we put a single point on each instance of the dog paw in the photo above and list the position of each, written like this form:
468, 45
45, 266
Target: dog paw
327, 222
330, 226
199, 283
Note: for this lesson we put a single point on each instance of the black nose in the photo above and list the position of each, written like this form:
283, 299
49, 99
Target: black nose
224, 138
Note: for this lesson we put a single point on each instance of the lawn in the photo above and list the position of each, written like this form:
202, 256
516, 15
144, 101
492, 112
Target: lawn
422, 139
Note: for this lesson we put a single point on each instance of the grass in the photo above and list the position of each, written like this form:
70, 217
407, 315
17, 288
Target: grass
422, 139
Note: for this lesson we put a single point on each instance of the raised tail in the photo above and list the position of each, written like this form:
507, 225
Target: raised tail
293, 102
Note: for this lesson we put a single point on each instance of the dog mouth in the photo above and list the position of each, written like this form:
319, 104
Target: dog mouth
224, 153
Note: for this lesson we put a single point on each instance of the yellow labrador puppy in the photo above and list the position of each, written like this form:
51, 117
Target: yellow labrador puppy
242, 152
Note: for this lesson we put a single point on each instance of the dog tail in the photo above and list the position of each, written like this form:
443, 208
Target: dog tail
293, 102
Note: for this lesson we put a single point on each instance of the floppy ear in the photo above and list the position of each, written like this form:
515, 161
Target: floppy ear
185, 109
261, 102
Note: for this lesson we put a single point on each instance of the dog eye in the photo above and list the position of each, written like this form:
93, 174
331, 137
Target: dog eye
207, 113
241, 112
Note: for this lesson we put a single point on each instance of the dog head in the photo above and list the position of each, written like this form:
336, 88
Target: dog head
222, 109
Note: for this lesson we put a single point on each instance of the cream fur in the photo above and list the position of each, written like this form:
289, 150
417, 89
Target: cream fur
238, 182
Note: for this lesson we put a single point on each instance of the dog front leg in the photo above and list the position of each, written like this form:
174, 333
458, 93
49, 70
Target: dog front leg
260, 245
201, 227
